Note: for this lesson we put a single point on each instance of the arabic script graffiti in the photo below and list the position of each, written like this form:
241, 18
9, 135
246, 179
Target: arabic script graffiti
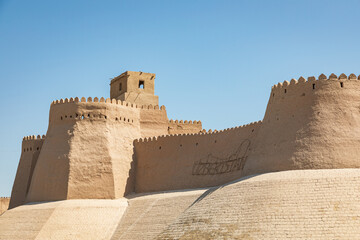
212, 165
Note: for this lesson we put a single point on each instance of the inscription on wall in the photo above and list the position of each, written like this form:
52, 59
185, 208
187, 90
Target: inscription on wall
212, 165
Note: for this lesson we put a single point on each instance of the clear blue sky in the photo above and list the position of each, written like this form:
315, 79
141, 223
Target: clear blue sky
215, 60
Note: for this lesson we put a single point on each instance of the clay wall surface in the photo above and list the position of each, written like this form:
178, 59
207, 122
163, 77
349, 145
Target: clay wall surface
302, 204
81, 219
148, 215
88, 150
30, 150
131, 90
192, 160
153, 121
4, 204
182, 127
313, 124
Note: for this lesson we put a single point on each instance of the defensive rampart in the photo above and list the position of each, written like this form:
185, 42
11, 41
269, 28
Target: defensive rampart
88, 151
183, 127
31, 147
311, 124
4, 204
308, 124
193, 160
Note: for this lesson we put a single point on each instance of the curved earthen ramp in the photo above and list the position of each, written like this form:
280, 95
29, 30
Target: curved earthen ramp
149, 214
302, 204
69, 219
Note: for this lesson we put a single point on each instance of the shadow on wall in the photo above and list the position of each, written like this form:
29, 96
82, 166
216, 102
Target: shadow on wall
130, 182
213, 189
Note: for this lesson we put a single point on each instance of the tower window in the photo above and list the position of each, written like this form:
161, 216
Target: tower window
120, 86
341, 84
141, 84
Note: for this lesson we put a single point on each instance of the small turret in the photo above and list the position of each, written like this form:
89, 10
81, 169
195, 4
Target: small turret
134, 87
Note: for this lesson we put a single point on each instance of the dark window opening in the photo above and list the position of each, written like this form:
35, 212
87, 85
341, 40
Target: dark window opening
313, 85
160, 147
37, 148
285, 91
273, 94
141, 84
120, 86
197, 144
61, 118
341, 84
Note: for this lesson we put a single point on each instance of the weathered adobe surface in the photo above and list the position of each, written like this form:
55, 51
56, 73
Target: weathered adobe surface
312, 124
299, 204
70, 219
4, 204
31, 147
192, 160
89, 152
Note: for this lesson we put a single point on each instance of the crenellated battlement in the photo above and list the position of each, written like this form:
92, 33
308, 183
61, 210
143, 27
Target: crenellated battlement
107, 101
32, 143
33, 137
184, 122
182, 127
312, 79
120, 142
202, 133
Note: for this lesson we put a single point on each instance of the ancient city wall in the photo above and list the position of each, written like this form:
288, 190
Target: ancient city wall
313, 124
30, 150
183, 127
4, 204
192, 160
153, 121
88, 150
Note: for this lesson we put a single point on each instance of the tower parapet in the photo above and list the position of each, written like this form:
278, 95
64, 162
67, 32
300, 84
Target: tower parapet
30, 151
134, 87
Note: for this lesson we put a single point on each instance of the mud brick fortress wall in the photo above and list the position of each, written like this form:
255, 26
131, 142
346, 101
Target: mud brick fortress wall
108, 148
4, 204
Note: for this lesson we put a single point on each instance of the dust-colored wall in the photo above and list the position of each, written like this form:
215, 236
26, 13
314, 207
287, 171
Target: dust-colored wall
192, 160
312, 124
4, 204
88, 151
30, 150
181, 127
304, 204
153, 121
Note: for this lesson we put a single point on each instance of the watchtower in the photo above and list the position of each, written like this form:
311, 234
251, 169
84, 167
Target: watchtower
134, 87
